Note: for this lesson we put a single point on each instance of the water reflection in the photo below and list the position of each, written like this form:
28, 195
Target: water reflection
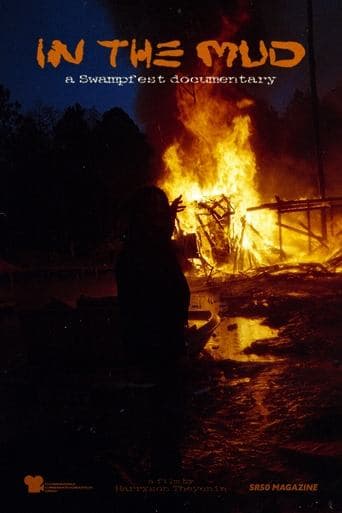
236, 334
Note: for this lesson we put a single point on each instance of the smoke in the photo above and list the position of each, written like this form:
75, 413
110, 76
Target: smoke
180, 19
190, 22
286, 151
284, 144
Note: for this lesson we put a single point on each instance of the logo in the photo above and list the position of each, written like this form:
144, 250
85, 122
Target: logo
35, 484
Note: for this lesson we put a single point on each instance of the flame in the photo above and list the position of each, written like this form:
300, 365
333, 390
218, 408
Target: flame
213, 166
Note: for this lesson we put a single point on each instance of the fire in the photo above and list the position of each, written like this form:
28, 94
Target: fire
213, 166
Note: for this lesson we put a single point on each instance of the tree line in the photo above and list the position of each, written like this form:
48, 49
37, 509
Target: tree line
63, 175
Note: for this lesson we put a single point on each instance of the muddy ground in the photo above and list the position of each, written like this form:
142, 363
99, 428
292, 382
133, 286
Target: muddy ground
260, 405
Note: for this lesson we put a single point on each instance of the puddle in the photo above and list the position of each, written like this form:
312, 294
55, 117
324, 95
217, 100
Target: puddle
235, 334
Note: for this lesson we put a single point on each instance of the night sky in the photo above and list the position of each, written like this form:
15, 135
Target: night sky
70, 20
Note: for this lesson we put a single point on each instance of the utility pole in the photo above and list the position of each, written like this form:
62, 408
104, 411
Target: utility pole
315, 115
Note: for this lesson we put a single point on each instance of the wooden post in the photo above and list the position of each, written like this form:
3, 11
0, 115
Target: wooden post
332, 221
308, 217
280, 236
315, 115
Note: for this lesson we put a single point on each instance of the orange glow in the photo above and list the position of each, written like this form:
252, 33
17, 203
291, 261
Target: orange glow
217, 168
213, 166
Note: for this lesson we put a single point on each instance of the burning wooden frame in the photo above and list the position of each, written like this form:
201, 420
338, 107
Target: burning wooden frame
216, 233
331, 204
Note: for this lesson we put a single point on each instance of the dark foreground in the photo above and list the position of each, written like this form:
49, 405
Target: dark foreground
260, 406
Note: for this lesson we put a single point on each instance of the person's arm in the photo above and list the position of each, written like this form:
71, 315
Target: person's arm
175, 207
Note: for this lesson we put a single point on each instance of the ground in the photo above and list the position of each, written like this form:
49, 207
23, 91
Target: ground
261, 403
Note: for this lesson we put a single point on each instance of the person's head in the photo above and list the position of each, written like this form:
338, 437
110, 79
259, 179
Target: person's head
149, 215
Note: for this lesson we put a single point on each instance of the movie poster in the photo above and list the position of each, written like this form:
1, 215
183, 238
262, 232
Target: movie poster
170, 219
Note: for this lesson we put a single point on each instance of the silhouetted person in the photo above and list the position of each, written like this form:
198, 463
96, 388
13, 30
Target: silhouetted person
154, 300
152, 290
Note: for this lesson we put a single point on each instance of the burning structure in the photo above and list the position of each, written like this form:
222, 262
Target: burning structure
227, 224
215, 171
